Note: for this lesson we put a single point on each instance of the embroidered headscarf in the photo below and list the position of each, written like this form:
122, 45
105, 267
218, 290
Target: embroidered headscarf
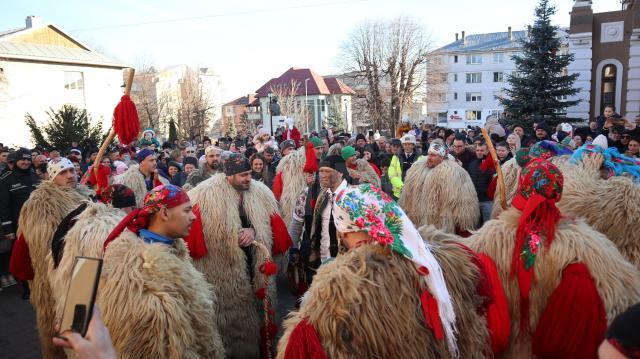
539, 189
168, 196
367, 209
615, 162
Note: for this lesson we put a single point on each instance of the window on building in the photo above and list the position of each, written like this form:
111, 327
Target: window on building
455, 59
498, 77
515, 74
562, 98
474, 77
473, 115
498, 58
455, 95
441, 97
608, 87
474, 59
455, 77
74, 86
474, 97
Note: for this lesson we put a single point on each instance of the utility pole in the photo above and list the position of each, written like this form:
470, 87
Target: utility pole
306, 106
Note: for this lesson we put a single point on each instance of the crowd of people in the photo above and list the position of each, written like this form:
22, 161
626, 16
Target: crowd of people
417, 234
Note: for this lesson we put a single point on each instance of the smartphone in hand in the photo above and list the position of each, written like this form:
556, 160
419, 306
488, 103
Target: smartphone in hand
81, 295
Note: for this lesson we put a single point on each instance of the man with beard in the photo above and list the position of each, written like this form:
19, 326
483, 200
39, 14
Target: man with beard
439, 192
211, 167
40, 216
241, 228
143, 177
153, 300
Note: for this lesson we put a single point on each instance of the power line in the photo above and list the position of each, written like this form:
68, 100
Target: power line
236, 13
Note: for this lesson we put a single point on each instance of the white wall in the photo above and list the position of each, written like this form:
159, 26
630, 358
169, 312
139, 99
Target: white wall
35, 87
487, 88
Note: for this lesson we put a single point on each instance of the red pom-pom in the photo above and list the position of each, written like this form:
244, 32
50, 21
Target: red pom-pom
261, 293
269, 268
125, 120
311, 163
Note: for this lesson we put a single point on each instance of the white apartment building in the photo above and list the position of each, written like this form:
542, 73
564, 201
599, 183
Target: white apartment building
477, 67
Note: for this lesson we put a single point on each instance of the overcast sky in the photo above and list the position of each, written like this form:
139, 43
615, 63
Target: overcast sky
248, 42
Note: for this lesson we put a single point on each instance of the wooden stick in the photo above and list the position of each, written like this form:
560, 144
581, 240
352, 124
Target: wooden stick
112, 133
496, 164
266, 303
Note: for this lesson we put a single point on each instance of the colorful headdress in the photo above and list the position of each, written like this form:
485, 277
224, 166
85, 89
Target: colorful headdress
615, 163
168, 196
367, 209
438, 150
539, 189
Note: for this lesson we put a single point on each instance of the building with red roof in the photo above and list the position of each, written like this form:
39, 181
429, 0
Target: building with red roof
327, 98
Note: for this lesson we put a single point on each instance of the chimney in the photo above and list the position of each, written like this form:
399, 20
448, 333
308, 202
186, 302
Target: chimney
509, 33
33, 21
456, 36
463, 37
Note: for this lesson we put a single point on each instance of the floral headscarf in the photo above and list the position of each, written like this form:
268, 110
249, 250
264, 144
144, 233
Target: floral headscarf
615, 162
365, 208
168, 196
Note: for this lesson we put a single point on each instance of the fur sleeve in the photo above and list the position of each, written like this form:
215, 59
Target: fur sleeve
150, 305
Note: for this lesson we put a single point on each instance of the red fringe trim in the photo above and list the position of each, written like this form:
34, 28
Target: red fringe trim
277, 186
195, 240
574, 321
304, 343
431, 314
20, 262
281, 239
497, 313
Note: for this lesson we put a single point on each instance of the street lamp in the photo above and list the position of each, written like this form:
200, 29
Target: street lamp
270, 95
306, 106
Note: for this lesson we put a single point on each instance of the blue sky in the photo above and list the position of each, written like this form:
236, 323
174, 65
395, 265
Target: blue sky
250, 41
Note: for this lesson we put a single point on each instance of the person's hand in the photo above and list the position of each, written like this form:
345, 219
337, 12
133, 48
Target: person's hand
246, 236
97, 343
10, 236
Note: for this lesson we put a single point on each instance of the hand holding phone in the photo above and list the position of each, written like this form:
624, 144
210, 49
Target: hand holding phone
78, 306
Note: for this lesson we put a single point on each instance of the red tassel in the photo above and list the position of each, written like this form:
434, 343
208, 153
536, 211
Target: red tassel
125, 120
195, 240
497, 312
431, 314
304, 343
261, 293
574, 321
311, 163
272, 331
312, 203
277, 186
491, 190
20, 262
281, 238
268, 268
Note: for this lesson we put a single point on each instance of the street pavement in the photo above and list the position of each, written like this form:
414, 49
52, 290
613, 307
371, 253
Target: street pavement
18, 333
19, 336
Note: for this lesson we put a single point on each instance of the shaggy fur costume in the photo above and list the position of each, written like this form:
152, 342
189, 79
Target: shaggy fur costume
616, 280
443, 196
225, 265
611, 206
366, 172
134, 179
155, 303
293, 182
85, 239
381, 289
39, 219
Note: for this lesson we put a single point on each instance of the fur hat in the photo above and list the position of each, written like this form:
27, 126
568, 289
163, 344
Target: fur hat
408, 138
236, 163
58, 165
212, 149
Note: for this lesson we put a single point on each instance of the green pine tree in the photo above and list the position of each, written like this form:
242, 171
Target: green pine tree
539, 83
65, 126
173, 131
231, 129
